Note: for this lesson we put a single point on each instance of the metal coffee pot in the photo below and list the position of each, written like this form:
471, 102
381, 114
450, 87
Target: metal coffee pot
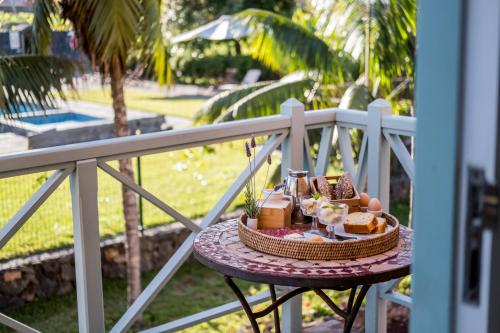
297, 185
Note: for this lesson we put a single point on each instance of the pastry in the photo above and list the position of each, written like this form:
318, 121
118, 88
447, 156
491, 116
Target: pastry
381, 225
310, 205
316, 238
344, 188
360, 223
324, 187
331, 213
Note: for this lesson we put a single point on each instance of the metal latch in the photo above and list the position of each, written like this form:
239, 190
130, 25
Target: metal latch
481, 214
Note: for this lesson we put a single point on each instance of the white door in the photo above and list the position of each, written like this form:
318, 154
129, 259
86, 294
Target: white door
475, 296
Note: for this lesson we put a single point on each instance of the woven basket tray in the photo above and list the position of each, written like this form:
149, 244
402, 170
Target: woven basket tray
307, 250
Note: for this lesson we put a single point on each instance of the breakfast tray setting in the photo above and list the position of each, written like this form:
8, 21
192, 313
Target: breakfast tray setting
312, 234
275, 242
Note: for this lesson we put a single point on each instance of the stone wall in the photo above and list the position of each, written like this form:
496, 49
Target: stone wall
48, 274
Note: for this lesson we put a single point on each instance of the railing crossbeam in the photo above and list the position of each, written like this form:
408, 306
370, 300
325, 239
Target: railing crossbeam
224, 202
360, 177
325, 148
346, 149
308, 161
402, 153
149, 196
15, 325
31, 206
207, 315
180, 256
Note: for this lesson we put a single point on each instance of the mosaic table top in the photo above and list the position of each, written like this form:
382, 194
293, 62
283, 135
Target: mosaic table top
219, 248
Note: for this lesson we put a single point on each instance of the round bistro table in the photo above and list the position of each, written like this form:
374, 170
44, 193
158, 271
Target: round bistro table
219, 248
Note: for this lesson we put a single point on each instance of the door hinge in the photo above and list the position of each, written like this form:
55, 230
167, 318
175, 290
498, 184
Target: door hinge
481, 214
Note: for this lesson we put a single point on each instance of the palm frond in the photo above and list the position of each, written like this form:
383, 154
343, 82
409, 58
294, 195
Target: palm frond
106, 30
394, 49
266, 101
43, 12
286, 46
155, 49
114, 28
213, 108
30, 81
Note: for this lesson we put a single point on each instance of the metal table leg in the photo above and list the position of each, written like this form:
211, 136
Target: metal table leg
349, 314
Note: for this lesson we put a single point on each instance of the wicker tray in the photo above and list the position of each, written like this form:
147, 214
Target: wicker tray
302, 249
353, 203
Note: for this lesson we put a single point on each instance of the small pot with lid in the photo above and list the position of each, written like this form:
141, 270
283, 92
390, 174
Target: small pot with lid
297, 185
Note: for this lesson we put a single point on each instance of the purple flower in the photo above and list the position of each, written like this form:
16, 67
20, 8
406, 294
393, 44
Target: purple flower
247, 149
252, 142
279, 187
269, 160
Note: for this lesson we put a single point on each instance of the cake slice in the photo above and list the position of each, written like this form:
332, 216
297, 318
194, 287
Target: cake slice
360, 223
381, 225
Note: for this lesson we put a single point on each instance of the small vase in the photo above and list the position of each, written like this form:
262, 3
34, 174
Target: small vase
252, 223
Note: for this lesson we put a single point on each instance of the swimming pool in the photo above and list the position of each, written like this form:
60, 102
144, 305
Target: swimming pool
58, 118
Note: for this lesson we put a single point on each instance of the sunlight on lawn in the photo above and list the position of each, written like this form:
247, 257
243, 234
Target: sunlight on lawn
144, 100
190, 180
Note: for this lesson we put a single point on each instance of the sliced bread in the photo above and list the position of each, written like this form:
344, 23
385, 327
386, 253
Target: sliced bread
360, 223
381, 225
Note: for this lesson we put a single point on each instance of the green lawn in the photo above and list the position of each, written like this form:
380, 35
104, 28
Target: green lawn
186, 294
190, 180
144, 100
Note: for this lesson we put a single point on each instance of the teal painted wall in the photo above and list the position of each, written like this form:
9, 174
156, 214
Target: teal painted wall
437, 109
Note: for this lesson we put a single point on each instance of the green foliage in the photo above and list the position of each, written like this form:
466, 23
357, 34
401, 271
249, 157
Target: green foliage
285, 46
9, 20
30, 80
216, 105
44, 12
266, 100
211, 69
327, 41
250, 204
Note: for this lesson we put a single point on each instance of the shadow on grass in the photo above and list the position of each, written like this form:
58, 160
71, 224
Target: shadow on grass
194, 288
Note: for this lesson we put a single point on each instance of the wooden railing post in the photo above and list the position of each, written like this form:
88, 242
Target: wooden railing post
83, 182
292, 150
379, 159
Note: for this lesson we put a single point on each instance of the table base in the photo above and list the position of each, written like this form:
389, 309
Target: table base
348, 314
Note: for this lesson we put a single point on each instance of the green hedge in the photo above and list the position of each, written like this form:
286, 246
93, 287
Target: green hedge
212, 69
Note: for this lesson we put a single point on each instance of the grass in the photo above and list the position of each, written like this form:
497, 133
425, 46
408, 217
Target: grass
185, 294
190, 180
145, 100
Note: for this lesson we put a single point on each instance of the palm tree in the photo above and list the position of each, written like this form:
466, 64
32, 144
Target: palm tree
29, 81
368, 42
108, 32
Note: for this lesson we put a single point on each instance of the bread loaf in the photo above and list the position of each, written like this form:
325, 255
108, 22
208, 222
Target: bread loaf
344, 188
324, 187
360, 223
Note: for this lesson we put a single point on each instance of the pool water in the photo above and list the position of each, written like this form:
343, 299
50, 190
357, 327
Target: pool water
58, 118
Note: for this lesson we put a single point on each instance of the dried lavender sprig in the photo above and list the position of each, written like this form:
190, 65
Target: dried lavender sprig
247, 149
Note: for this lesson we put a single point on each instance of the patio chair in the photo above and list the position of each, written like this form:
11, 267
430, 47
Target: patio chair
251, 76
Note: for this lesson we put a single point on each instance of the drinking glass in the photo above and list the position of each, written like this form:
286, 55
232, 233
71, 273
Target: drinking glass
307, 211
333, 219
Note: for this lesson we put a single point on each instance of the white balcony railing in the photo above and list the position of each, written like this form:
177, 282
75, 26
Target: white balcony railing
381, 132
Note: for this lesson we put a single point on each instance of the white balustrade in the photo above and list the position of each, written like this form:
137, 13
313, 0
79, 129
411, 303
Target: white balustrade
289, 129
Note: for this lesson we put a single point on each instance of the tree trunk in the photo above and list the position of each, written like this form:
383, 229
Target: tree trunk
132, 242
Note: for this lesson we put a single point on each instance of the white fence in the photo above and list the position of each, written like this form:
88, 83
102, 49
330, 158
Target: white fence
381, 132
